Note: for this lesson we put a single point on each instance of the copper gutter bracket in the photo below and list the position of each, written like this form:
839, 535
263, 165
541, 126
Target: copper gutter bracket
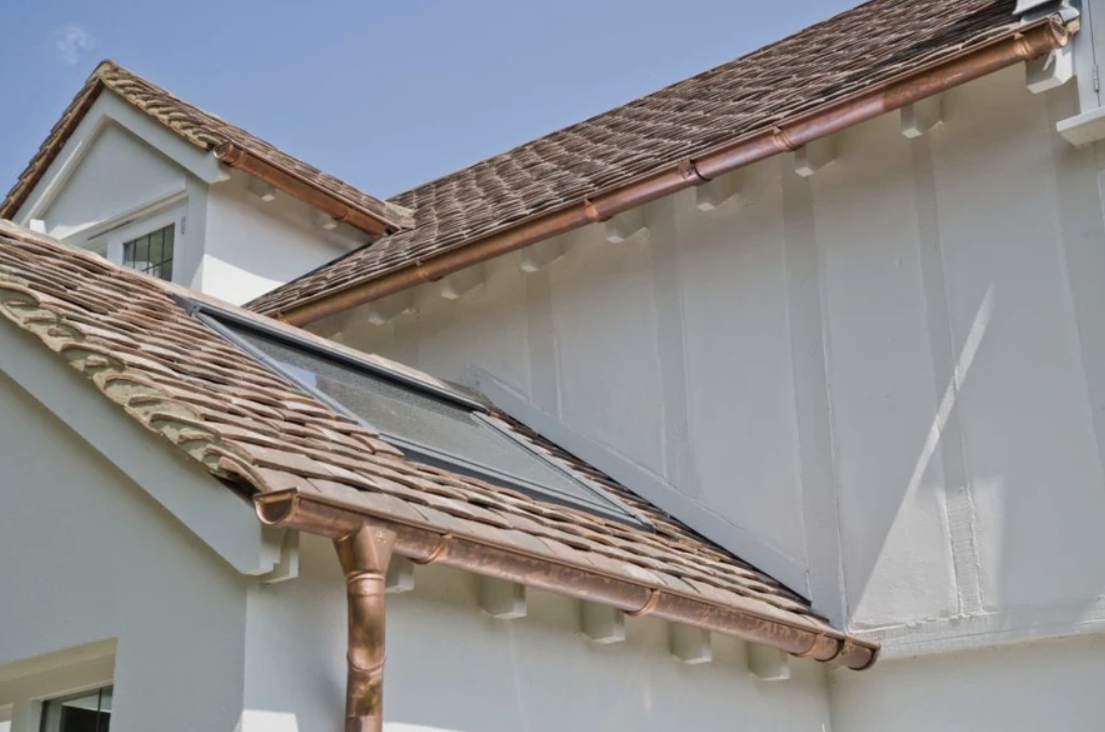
364, 557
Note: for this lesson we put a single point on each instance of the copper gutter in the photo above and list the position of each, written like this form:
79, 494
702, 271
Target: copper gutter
235, 156
1029, 42
332, 518
364, 556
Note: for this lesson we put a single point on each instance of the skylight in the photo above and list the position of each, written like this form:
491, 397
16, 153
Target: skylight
430, 424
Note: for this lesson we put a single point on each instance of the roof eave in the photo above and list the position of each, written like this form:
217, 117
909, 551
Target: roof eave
1022, 44
335, 518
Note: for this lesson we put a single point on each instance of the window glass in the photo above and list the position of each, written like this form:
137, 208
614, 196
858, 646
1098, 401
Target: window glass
87, 712
152, 253
431, 428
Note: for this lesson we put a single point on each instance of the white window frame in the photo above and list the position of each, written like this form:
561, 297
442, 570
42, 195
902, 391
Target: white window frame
52, 722
27, 686
110, 244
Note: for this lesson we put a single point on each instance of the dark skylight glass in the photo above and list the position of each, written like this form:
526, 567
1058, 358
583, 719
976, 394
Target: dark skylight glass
429, 425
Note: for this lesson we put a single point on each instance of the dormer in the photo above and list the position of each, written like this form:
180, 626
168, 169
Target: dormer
148, 180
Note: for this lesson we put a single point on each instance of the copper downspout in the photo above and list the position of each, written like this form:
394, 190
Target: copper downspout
1030, 42
318, 514
364, 556
234, 156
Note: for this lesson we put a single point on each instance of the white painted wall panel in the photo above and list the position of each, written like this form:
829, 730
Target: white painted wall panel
252, 246
1047, 685
87, 556
895, 548
888, 373
118, 173
605, 329
739, 384
1032, 454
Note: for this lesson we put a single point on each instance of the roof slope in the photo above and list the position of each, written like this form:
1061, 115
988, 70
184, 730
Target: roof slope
821, 64
200, 128
260, 433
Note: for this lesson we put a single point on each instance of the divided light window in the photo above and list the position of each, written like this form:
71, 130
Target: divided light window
87, 712
152, 253
430, 424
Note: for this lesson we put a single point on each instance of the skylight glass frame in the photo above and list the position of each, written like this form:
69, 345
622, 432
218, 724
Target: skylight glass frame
604, 504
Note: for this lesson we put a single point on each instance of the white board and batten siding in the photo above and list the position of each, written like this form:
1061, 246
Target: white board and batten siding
888, 377
103, 583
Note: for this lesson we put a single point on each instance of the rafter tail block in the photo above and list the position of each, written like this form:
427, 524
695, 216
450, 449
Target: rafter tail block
459, 284
542, 254
602, 624
625, 225
400, 577
767, 663
814, 156
388, 308
691, 645
324, 221
921, 116
712, 194
1051, 71
262, 190
501, 599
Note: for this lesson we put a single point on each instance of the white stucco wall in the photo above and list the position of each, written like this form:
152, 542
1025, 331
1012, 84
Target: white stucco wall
1043, 685
253, 246
887, 377
450, 667
117, 173
88, 557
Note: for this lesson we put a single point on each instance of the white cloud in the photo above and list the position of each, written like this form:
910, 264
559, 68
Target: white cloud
70, 40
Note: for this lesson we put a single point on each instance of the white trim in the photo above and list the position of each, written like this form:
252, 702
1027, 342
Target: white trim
25, 685
108, 109
649, 486
129, 231
223, 520
83, 237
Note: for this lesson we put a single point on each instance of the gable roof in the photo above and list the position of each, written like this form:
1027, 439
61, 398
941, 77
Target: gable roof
670, 132
262, 435
231, 145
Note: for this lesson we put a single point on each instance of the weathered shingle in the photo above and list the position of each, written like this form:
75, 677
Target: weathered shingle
862, 47
251, 427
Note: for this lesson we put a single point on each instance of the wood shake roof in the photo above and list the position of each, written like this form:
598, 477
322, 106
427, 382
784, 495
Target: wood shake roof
255, 430
827, 62
202, 129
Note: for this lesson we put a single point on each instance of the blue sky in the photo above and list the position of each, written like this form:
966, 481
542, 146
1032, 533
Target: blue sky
385, 95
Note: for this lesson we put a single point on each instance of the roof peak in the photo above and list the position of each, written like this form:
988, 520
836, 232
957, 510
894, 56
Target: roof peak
232, 145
